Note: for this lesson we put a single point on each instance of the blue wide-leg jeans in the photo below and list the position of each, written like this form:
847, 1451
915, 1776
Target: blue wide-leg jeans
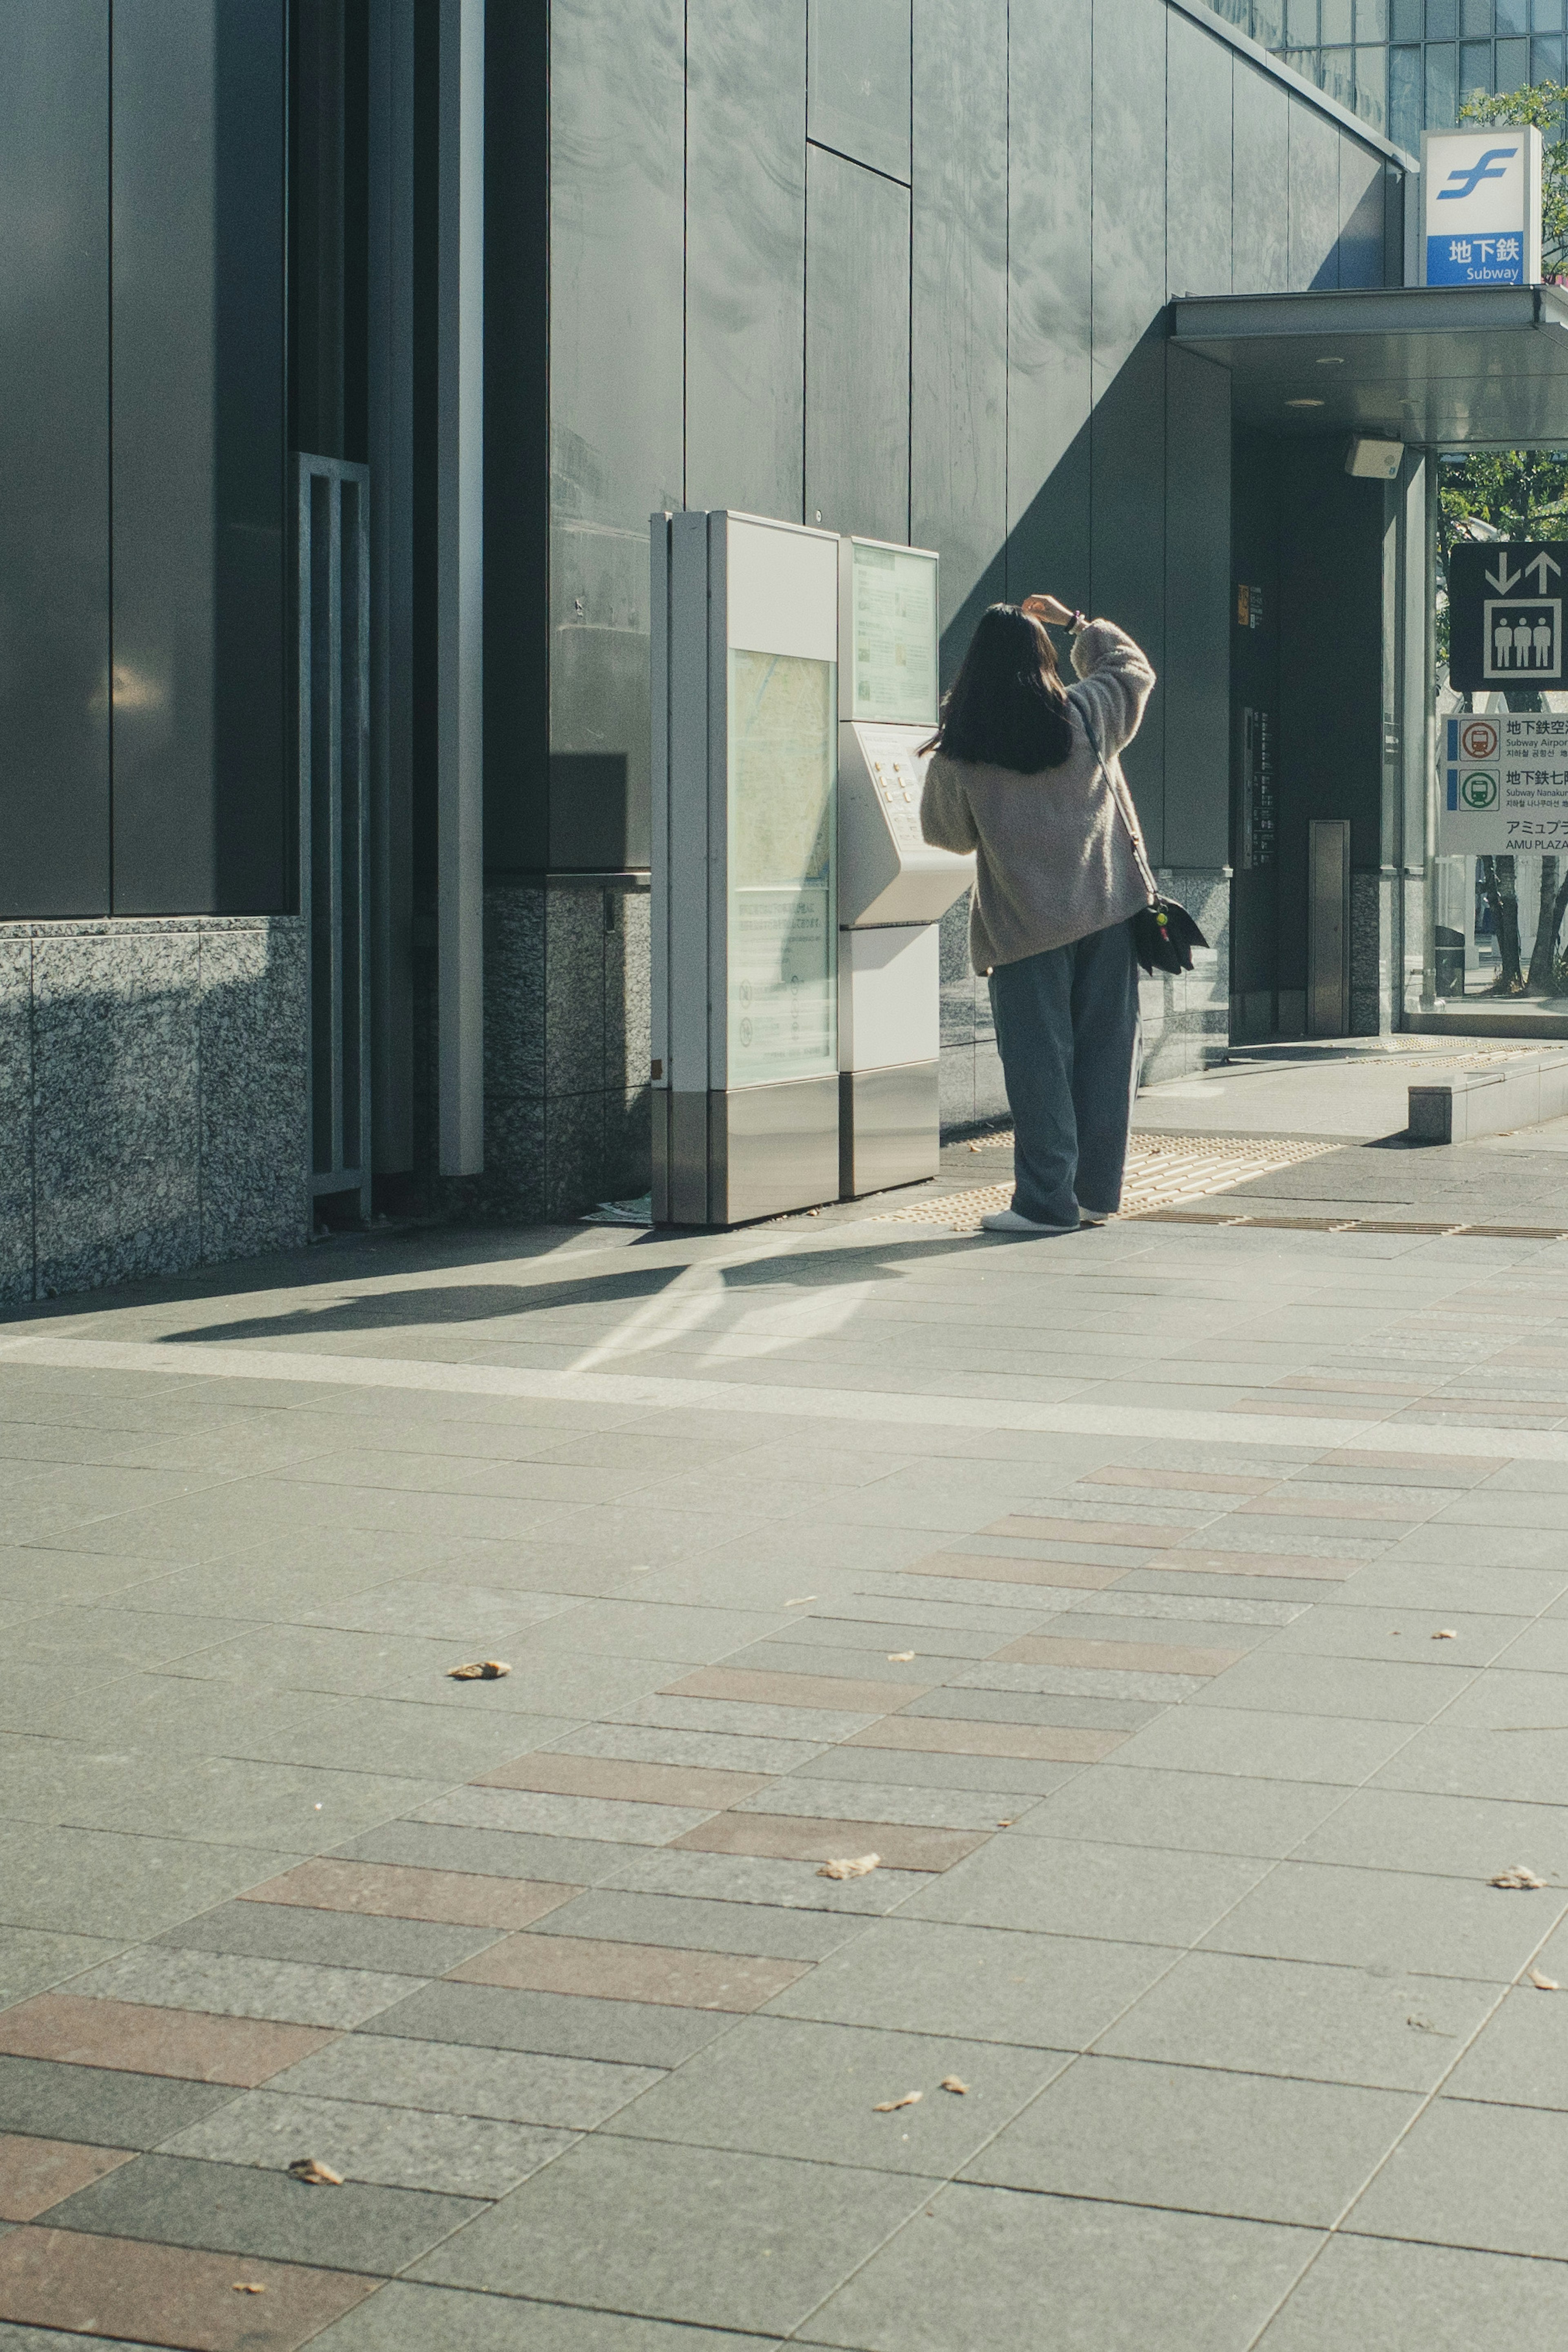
1067, 1030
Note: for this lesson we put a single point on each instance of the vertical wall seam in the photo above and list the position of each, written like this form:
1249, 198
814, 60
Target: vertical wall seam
201, 1101
1088, 420
32, 1106
1230, 239
910, 371
685, 248
805, 272
108, 430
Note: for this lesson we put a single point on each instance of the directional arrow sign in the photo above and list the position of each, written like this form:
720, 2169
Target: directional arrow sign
1506, 634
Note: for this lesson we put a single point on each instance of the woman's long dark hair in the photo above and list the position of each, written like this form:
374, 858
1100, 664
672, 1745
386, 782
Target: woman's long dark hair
1008, 707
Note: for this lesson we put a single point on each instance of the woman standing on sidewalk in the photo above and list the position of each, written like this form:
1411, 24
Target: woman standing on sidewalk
1025, 774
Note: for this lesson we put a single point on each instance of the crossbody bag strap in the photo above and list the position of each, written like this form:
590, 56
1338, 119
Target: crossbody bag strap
1125, 813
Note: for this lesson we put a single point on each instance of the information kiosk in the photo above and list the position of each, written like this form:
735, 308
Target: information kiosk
892, 888
746, 919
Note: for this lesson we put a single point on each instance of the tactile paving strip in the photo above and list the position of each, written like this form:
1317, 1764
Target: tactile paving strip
1163, 1171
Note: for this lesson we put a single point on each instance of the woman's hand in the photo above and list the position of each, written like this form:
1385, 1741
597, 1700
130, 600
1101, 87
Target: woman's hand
1048, 609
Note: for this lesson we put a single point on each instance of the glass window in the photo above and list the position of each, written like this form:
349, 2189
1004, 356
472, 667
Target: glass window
1301, 23
1442, 19
1441, 103
1371, 20
1512, 16
1338, 75
1371, 85
1337, 22
1546, 62
1475, 67
1268, 22
1405, 20
1404, 99
1474, 15
1546, 16
1512, 64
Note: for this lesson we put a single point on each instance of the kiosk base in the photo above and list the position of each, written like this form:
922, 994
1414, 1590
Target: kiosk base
889, 1128
728, 1158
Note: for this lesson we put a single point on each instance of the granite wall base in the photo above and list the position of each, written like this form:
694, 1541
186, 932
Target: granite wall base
567, 1045
1373, 988
152, 1097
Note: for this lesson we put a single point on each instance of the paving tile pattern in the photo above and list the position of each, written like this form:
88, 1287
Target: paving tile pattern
1186, 1732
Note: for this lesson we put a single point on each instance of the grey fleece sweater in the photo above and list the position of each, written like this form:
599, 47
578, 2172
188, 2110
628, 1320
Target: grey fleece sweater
1054, 859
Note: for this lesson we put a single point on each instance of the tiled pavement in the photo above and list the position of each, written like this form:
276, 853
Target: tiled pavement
1180, 1616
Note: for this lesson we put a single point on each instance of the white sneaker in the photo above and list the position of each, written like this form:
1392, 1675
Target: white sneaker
1008, 1221
1095, 1216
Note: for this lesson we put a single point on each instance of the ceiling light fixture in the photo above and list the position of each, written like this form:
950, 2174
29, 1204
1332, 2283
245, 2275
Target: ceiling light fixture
1332, 363
1306, 404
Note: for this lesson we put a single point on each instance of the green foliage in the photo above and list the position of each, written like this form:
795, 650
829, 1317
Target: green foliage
1540, 104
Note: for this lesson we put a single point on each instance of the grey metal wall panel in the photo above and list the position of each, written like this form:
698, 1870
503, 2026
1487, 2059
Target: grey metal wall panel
1314, 199
54, 458
859, 80
857, 349
746, 255
1198, 161
517, 636
1127, 429
1049, 396
1128, 178
1128, 449
1362, 205
201, 819
1196, 690
958, 385
617, 225
1261, 114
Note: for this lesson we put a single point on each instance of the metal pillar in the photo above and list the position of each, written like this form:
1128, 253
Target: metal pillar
332, 575
459, 462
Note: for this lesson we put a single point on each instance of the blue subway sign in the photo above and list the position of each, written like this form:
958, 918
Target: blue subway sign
1482, 207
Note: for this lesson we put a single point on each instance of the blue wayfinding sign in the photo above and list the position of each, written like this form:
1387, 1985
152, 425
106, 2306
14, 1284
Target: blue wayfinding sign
1482, 207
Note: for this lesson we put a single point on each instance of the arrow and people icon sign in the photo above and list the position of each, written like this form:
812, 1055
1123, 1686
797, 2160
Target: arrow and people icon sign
1505, 615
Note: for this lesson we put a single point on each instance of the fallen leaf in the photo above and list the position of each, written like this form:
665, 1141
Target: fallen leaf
1008, 1823
1447, 1634
805, 1602
900, 1657
951, 2083
1542, 1984
1518, 1876
892, 2107
248, 2286
861, 1869
483, 1670
1425, 2025
312, 2169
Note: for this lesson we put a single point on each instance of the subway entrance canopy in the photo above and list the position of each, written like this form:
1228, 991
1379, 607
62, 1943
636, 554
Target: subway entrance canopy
1438, 366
